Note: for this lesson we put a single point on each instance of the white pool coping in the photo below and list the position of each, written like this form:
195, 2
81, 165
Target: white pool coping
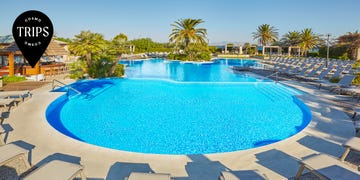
329, 128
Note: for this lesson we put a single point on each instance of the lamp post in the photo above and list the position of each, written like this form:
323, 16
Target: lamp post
327, 50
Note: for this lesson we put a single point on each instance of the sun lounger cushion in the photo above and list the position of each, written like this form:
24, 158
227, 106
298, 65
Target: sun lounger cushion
2, 131
325, 166
352, 143
14, 93
6, 102
10, 151
253, 175
148, 176
55, 170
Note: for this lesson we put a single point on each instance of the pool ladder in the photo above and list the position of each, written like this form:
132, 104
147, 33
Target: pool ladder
68, 88
273, 74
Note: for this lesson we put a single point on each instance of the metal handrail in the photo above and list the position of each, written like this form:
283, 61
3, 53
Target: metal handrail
64, 85
276, 76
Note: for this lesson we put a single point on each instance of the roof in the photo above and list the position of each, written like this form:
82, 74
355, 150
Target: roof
55, 49
8, 39
10, 48
61, 42
52, 50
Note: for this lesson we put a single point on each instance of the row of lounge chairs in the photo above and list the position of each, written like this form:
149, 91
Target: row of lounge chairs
54, 170
327, 167
58, 169
312, 69
8, 98
321, 165
315, 70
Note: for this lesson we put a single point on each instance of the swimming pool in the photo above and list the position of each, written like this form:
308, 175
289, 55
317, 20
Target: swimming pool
172, 116
217, 71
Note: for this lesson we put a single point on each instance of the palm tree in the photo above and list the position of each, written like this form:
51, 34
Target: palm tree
308, 40
266, 34
351, 41
247, 47
292, 38
185, 31
86, 44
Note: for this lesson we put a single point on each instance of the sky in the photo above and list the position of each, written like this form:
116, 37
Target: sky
231, 21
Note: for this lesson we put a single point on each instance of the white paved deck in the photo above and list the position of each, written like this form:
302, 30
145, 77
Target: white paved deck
328, 129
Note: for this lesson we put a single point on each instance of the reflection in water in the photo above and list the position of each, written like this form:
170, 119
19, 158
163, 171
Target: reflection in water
218, 71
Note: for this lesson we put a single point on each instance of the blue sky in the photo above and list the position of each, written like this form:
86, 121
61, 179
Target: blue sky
225, 20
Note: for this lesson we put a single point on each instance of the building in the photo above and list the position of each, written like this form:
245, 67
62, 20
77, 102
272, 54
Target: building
13, 62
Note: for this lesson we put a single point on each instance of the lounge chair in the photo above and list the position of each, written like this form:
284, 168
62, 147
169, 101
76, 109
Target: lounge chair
351, 144
311, 74
148, 176
344, 82
347, 69
301, 73
354, 92
19, 94
253, 175
337, 73
326, 167
2, 131
56, 170
10, 152
6, 102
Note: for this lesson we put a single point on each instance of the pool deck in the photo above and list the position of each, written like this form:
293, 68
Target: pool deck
329, 128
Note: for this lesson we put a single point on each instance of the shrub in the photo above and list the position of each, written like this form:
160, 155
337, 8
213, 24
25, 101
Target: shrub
204, 56
177, 56
77, 69
334, 80
119, 70
313, 54
356, 81
356, 65
191, 56
10, 79
106, 66
344, 56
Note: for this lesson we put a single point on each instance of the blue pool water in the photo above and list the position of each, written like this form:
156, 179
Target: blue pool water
218, 71
171, 114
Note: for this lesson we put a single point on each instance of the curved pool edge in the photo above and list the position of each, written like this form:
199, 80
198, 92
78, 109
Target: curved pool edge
57, 125
100, 161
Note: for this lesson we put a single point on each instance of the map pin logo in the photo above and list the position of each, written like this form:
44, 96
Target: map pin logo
32, 31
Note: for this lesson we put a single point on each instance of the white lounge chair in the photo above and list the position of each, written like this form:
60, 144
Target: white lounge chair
255, 175
10, 152
2, 131
148, 176
6, 102
344, 82
20, 94
351, 144
326, 167
56, 170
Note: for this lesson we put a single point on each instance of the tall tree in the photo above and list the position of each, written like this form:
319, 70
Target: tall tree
120, 38
265, 34
86, 44
292, 38
308, 40
119, 44
352, 42
185, 31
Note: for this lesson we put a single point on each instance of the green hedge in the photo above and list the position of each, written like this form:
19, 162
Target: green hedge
10, 79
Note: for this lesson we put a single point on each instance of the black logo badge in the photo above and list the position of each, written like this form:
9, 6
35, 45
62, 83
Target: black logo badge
32, 31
